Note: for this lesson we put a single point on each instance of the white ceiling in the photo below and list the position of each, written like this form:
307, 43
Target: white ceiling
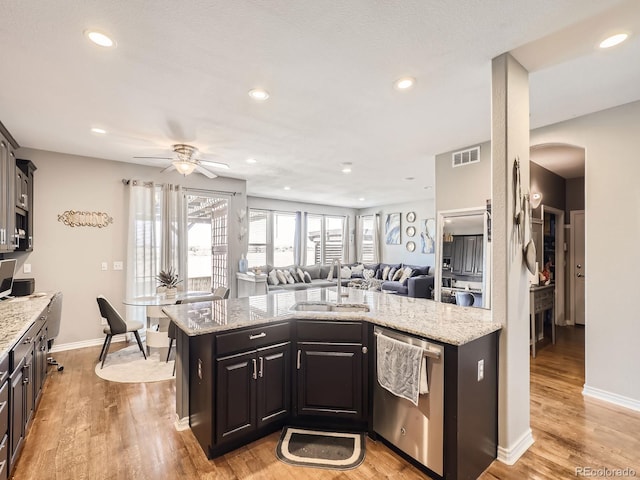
181, 72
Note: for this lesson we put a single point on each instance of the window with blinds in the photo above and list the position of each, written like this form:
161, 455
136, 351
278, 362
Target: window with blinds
367, 239
257, 254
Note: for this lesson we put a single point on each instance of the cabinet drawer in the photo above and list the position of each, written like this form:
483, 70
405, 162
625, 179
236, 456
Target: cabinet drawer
327, 331
4, 409
24, 346
251, 338
4, 368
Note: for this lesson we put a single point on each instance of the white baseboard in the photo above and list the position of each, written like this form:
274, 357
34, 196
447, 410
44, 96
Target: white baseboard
181, 424
85, 343
609, 397
510, 455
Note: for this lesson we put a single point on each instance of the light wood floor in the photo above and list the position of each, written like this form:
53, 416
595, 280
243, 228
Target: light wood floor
88, 428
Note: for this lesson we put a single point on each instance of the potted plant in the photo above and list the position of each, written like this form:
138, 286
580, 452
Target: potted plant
168, 281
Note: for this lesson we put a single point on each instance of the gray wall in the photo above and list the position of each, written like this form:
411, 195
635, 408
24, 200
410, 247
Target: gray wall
69, 259
550, 185
424, 209
468, 186
574, 198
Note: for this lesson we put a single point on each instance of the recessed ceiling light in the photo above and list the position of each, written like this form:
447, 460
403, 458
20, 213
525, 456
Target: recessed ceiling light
99, 38
410, 178
258, 94
346, 167
361, 199
404, 83
428, 187
287, 188
101, 131
251, 160
613, 40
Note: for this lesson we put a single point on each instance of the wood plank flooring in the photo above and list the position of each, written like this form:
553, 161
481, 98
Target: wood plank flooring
88, 428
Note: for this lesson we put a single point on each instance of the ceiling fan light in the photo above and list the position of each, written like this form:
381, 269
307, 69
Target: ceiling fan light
184, 167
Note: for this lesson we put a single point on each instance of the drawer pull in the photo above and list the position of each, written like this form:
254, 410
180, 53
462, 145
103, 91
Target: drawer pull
259, 335
261, 372
2, 405
299, 358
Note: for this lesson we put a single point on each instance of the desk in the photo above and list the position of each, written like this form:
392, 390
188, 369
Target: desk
541, 299
153, 304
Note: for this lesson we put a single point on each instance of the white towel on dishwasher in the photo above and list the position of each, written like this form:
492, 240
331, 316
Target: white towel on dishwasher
400, 367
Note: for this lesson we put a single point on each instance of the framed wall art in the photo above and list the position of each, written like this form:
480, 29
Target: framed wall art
392, 229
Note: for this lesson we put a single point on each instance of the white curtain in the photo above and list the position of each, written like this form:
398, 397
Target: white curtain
142, 244
345, 240
300, 239
173, 227
359, 237
376, 239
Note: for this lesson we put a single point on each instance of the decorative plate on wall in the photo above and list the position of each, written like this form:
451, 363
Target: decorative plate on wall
411, 217
411, 246
411, 231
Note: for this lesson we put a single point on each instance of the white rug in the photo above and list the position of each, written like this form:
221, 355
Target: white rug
129, 366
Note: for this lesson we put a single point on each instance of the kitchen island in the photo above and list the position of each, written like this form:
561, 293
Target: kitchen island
248, 366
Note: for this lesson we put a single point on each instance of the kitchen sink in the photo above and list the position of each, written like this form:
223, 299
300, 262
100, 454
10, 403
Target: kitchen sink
329, 307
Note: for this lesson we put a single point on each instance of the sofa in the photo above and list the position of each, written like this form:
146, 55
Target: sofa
418, 280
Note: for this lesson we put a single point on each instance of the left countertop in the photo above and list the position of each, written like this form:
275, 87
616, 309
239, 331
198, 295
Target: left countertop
17, 315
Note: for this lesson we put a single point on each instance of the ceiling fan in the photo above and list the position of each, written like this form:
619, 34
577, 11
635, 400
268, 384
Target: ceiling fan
186, 161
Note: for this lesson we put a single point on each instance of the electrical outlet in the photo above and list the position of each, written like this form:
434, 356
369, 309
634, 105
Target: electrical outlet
105, 266
26, 268
117, 265
480, 369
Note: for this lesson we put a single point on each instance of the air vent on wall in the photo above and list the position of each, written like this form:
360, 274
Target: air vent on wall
465, 157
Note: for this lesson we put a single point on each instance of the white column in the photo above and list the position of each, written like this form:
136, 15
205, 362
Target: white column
510, 295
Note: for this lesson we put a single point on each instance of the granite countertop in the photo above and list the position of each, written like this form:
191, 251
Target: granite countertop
17, 315
443, 322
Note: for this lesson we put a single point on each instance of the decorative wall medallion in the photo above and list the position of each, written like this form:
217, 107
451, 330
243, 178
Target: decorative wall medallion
411, 246
411, 217
411, 231
75, 218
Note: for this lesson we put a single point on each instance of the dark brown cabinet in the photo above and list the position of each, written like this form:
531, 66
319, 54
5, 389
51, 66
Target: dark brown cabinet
4, 417
252, 390
331, 365
17, 404
467, 254
8, 240
24, 205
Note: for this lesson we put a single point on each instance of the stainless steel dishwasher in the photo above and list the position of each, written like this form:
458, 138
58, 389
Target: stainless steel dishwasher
415, 430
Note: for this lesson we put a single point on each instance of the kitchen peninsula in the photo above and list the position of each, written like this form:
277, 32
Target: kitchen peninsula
248, 366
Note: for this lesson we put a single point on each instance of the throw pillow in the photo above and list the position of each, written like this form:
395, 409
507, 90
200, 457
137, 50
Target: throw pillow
345, 272
307, 277
300, 275
385, 272
357, 271
294, 275
289, 277
368, 274
272, 278
406, 273
281, 276
397, 275
392, 273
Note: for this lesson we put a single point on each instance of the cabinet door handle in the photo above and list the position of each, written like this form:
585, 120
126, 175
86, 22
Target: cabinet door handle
261, 372
259, 335
2, 405
255, 375
299, 358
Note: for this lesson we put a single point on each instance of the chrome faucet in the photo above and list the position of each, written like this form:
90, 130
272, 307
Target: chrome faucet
339, 287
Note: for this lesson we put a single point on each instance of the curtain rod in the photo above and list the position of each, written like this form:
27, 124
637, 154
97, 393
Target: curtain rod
127, 181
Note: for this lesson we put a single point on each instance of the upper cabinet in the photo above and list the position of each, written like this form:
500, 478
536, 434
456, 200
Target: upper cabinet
8, 234
24, 205
468, 254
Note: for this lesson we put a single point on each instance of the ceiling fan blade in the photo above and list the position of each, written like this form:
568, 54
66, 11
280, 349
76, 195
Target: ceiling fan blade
169, 168
205, 172
158, 158
210, 163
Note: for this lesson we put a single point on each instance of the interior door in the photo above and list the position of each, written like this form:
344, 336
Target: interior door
577, 225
